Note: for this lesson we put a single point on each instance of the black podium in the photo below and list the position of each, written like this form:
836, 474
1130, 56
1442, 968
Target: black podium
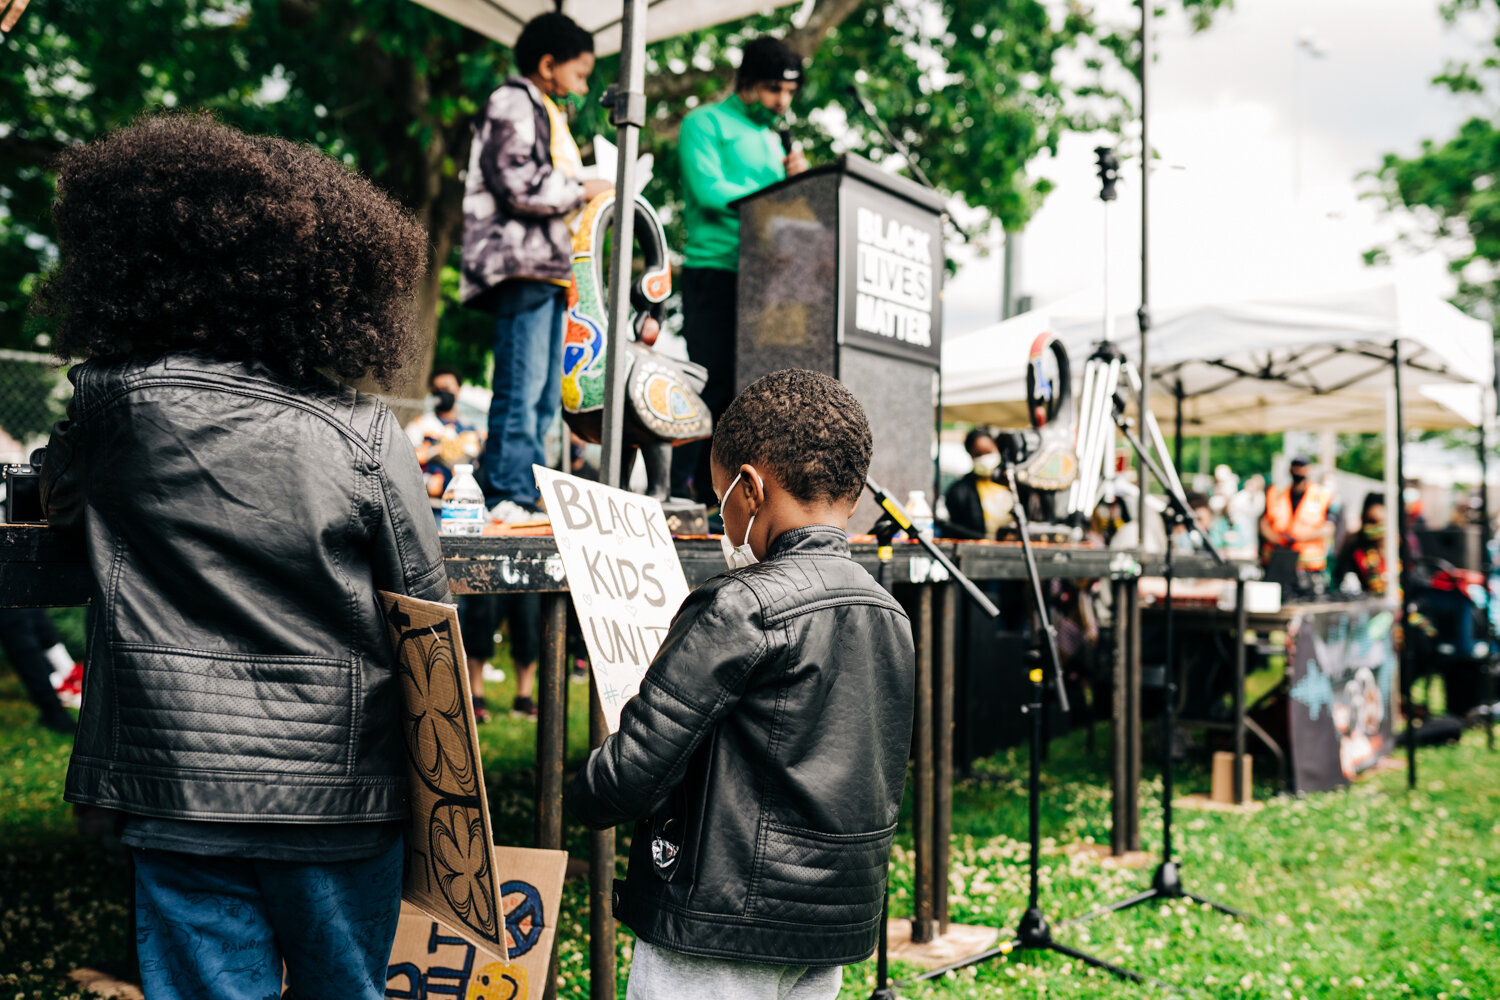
841, 271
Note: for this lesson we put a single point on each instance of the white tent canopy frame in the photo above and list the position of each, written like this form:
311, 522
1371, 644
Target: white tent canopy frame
1323, 361
503, 20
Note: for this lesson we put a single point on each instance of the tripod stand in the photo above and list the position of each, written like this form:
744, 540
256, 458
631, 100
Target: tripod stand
1166, 883
1033, 932
1098, 402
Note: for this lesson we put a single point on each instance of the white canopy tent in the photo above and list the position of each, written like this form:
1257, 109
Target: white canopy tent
502, 20
1320, 362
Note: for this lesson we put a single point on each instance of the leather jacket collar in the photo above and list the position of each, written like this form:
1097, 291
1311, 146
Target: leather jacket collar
811, 539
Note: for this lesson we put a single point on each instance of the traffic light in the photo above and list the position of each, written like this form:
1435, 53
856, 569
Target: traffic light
1109, 172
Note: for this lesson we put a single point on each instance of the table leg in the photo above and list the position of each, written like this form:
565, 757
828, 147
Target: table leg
942, 826
923, 925
1119, 729
1239, 691
552, 713
1133, 722
601, 883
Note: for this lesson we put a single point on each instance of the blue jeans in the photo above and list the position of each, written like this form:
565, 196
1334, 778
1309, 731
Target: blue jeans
527, 387
220, 928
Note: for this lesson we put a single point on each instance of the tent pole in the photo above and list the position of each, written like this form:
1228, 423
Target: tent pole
1177, 440
1406, 568
1143, 400
627, 112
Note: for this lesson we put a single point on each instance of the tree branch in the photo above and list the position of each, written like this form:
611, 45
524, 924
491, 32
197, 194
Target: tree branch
826, 16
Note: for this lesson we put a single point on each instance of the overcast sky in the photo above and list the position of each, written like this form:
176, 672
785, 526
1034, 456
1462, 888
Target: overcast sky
1240, 114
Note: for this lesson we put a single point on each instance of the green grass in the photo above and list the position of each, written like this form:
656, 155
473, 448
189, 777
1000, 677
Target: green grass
1370, 892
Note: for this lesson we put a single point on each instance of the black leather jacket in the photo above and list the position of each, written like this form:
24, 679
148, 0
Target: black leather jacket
765, 756
238, 528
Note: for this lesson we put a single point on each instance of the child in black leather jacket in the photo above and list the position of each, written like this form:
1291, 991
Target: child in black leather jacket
765, 755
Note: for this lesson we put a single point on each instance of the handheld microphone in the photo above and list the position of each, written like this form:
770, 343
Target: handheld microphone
786, 140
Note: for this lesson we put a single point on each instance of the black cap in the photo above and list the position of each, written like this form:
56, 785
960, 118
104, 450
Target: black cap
1301, 460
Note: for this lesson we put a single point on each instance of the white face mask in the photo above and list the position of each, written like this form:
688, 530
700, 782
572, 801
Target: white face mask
986, 464
736, 556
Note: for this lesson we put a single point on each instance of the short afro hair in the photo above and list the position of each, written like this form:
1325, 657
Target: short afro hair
803, 426
768, 60
179, 233
552, 34
975, 436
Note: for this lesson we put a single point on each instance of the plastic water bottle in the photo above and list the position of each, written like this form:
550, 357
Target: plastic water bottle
920, 513
463, 504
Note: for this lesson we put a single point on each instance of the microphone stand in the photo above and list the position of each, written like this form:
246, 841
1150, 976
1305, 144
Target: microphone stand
885, 534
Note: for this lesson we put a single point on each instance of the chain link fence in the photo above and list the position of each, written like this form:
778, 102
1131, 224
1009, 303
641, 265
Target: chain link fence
34, 392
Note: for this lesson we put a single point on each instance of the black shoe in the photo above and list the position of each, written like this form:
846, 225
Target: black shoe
523, 708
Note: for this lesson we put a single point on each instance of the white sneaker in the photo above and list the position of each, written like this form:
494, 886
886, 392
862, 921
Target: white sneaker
510, 512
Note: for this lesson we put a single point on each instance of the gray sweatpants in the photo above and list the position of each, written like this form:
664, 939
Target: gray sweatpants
663, 974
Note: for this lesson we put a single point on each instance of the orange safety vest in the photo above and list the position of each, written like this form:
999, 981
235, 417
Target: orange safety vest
1305, 523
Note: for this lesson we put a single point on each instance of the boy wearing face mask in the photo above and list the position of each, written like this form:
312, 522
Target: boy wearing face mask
765, 755
520, 190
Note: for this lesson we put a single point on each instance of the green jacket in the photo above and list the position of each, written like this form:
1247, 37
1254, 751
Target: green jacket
728, 150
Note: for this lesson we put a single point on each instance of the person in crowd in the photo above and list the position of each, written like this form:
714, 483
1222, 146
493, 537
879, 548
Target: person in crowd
517, 257
35, 650
1416, 518
1360, 566
442, 438
1203, 519
1245, 510
978, 507
479, 618
765, 755
1336, 512
1296, 518
241, 509
728, 150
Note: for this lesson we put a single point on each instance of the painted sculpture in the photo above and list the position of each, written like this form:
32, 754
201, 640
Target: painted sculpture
662, 405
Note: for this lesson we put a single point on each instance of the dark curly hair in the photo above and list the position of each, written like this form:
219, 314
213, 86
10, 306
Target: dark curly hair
180, 233
803, 426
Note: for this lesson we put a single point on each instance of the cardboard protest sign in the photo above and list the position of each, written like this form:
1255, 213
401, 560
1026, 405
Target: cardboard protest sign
450, 867
429, 960
623, 574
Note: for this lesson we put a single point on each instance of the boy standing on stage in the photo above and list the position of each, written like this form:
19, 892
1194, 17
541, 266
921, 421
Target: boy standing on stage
765, 754
729, 150
518, 249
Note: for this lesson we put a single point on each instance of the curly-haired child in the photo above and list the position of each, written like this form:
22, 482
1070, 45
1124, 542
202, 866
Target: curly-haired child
241, 509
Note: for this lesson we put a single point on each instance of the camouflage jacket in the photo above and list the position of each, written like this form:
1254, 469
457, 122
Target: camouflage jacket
515, 202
